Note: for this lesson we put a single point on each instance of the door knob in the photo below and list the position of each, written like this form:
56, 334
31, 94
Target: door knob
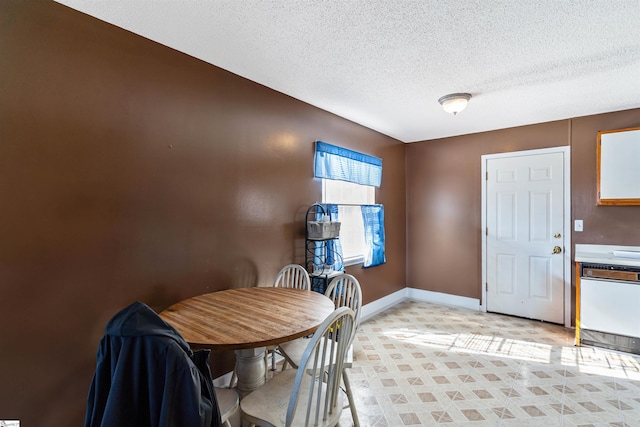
556, 250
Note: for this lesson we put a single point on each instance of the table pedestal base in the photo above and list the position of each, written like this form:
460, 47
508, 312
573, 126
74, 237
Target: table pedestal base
250, 369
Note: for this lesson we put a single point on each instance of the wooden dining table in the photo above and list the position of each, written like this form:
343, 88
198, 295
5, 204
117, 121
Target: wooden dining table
247, 320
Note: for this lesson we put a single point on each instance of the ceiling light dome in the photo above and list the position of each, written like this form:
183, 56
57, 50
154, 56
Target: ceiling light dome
454, 102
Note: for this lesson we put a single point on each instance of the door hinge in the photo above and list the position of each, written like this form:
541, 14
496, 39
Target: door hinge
486, 231
486, 287
486, 176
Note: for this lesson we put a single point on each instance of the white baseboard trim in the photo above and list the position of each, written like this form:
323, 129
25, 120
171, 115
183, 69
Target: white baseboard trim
222, 381
382, 304
445, 299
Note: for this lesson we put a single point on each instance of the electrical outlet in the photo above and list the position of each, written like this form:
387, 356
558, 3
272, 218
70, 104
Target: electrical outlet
577, 225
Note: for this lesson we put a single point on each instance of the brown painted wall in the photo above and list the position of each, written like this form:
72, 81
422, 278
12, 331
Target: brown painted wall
443, 204
444, 200
605, 225
129, 171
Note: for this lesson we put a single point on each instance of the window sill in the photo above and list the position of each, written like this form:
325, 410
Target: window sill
353, 261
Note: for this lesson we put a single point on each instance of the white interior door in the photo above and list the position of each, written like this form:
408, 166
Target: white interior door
525, 236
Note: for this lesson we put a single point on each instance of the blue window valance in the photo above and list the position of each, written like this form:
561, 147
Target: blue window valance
334, 162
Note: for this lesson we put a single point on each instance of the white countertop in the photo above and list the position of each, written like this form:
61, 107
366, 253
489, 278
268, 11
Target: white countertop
603, 254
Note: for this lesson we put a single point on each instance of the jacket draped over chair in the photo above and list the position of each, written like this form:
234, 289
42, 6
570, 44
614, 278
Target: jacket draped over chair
147, 375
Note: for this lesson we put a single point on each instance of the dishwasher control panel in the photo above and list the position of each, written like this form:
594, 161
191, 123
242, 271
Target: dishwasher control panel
611, 272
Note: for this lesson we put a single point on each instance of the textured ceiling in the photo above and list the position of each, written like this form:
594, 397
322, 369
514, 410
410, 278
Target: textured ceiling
385, 63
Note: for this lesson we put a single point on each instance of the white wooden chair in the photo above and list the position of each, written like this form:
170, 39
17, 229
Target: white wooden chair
229, 404
344, 290
290, 276
310, 395
293, 276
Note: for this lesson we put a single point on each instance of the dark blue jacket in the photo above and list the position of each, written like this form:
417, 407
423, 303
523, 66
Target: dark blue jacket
147, 376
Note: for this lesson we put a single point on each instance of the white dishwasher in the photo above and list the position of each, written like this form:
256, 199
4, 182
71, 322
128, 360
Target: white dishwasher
610, 307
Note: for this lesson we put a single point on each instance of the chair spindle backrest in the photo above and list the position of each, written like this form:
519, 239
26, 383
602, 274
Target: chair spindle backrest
317, 383
344, 290
293, 276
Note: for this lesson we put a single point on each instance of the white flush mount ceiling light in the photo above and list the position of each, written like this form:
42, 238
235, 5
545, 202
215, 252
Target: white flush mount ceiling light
455, 102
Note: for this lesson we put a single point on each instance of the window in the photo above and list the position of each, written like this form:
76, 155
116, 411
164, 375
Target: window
338, 167
349, 196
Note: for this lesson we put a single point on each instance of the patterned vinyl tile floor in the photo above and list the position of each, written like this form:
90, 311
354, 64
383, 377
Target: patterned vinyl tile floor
422, 364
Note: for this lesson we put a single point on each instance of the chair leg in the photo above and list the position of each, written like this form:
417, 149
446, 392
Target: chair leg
234, 378
266, 365
352, 406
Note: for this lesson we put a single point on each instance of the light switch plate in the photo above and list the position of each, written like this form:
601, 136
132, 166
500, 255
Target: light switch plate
577, 225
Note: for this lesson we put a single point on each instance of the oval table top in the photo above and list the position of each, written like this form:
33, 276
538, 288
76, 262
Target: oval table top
246, 318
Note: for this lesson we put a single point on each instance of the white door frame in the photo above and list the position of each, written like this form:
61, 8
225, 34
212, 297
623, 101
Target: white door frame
566, 251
